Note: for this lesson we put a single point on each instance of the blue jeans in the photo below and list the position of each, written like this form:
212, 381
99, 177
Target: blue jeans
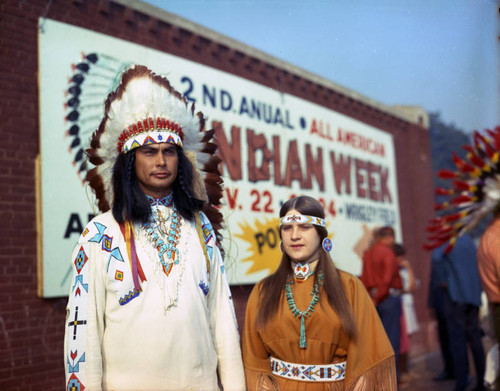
389, 311
462, 323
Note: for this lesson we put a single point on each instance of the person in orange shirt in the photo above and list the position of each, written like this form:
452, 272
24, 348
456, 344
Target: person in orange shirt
488, 262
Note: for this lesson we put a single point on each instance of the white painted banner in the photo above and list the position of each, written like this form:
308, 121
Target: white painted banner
274, 146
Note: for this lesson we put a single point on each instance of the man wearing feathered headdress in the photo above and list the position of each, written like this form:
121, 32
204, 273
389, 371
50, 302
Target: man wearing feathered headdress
149, 306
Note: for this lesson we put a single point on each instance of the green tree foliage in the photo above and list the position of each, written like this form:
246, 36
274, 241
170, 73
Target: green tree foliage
445, 139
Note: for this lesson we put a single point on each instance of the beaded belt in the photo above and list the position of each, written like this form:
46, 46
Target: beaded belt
305, 372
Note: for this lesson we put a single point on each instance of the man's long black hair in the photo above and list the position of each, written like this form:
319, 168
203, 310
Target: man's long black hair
130, 202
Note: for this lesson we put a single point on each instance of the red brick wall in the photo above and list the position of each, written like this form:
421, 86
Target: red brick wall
31, 328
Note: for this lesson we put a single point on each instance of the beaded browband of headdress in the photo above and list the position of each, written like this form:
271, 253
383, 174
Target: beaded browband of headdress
473, 191
150, 131
302, 219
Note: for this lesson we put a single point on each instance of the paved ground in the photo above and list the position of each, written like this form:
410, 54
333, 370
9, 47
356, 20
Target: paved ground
422, 370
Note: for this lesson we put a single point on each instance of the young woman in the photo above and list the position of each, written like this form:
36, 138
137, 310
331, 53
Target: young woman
309, 325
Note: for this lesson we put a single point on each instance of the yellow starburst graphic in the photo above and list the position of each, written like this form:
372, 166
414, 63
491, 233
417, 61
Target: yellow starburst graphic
263, 240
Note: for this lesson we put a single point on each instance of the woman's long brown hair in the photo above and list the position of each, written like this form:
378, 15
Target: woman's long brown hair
273, 285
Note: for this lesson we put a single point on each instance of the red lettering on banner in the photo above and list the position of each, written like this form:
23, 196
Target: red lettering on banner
384, 189
360, 168
373, 194
341, 172
229, 153
232, 197
257, 143
370, 179
358, 141
278, 179
314, 167
320, 129
293, 169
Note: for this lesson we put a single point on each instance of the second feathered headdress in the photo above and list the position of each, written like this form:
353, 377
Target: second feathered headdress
473, 192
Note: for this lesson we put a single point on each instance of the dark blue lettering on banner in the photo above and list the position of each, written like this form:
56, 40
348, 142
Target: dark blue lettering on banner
369, 214
219, 98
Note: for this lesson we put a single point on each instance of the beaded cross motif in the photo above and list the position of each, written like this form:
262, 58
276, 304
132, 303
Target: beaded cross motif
302, 314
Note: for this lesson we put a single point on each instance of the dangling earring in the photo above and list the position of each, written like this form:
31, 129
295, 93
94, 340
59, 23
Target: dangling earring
327, 245
281, 247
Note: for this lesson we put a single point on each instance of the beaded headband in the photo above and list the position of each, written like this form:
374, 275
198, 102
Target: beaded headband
137, 135
302, 219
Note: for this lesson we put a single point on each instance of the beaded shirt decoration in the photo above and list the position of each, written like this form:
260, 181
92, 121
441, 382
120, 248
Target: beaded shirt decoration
302, 314
164, 239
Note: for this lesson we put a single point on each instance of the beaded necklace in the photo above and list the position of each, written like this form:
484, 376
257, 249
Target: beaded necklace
164, 240
302, 314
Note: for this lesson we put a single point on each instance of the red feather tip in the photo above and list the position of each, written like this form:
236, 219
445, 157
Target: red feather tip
469, 148
432, 246
461, 199
443, 191
453, 217
468, 168
447, 229
461, 185
495, 135
446, 174
436, 221
440, 236
457, 160
477, 161
478, 137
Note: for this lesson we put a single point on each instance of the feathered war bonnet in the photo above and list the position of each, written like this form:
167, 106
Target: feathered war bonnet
146, 109
473, 192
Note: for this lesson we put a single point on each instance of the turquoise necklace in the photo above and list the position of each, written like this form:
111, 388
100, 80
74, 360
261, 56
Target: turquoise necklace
302, 314
164, 239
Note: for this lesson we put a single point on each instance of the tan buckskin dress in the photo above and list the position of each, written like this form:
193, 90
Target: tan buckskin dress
370, 359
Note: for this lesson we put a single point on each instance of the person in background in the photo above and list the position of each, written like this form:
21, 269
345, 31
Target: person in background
309, 325
380, 275
409, 324
436, 302
461, 290
149, 306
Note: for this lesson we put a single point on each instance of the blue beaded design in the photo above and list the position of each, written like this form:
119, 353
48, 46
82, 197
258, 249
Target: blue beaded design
165, 201
166, 247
